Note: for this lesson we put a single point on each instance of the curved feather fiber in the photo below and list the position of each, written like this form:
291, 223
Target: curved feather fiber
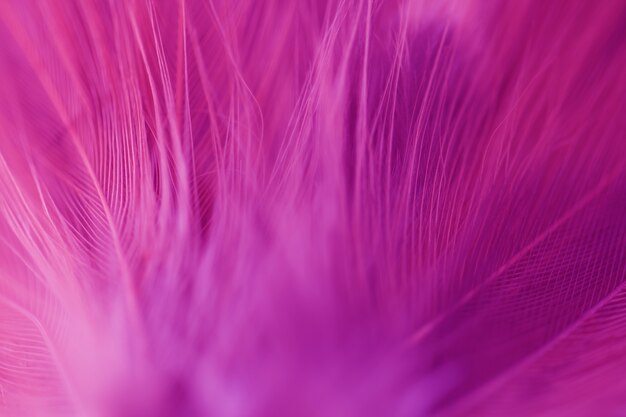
312, 208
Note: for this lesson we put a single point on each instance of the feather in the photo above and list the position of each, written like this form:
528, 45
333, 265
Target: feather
312, 208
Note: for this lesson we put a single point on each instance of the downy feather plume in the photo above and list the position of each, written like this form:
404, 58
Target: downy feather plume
275, 208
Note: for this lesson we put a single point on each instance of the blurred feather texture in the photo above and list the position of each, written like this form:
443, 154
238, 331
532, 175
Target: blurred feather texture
267, 208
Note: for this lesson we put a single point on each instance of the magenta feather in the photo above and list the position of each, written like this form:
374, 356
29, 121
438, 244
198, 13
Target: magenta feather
312, 208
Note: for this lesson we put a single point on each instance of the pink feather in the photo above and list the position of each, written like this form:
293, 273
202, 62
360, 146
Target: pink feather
268, 208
